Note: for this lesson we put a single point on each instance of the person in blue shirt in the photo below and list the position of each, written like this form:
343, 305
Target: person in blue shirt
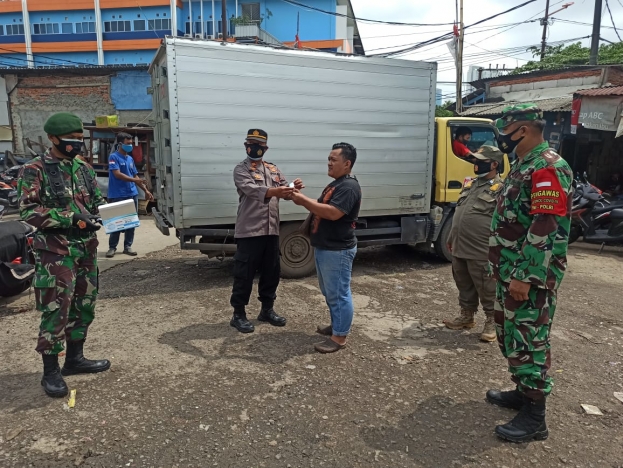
122, 181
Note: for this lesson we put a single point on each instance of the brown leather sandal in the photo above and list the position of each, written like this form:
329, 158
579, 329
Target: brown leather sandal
328, 346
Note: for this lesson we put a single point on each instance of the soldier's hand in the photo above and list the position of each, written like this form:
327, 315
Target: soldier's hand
86, 222
519, 290
449, 245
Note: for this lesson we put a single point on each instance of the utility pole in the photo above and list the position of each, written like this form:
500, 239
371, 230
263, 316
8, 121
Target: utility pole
544, 23
459, 68
595, 36
224, 19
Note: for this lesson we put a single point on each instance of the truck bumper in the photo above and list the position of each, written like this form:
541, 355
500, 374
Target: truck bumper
161, 224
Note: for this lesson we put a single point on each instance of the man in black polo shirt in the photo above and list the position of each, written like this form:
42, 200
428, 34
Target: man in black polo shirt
332, 235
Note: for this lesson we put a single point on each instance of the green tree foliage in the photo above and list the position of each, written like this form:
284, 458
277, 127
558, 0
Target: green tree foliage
442, 111
573, 54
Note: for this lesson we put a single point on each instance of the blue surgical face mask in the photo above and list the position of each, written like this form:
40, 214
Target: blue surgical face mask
127, 148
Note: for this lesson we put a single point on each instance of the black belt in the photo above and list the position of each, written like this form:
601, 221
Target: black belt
69, 232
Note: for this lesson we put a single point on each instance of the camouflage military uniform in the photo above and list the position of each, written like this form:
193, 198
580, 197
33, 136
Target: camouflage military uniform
528, 243
66, 279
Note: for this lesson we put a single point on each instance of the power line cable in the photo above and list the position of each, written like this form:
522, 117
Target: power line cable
450, 34
364, 20
612, 20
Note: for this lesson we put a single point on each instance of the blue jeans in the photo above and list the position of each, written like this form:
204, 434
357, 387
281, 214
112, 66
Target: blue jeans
128, 237
334, 269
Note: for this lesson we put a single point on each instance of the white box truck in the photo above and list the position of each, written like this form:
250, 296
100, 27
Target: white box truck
207, 94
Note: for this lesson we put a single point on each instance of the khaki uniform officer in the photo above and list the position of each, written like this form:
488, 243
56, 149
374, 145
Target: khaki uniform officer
469, 242
260, 185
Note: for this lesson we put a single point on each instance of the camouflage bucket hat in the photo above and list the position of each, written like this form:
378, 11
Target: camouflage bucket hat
518, 113
492, 153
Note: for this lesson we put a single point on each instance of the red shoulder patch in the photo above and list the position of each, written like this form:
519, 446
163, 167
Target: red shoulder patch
547, 196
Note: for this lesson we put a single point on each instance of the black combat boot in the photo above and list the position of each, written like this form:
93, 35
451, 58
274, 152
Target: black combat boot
239, 321
52, 380
268, 314
529, 424
512, 399
76, 363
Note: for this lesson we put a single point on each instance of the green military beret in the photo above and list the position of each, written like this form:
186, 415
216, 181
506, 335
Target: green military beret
518, 112
63, 123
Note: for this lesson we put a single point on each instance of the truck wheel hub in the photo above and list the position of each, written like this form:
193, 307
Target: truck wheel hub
296, 250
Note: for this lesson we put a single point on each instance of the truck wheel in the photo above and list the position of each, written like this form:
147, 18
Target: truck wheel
297, 254
441, 244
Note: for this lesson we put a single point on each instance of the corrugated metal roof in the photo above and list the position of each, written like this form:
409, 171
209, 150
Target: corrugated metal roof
562, 104
605, 91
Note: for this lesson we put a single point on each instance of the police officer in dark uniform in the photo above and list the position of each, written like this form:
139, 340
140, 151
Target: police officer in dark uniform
260, 185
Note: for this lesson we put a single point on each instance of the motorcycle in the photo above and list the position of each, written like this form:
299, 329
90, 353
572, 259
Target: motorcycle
8, 194
596, 219
589, 207
17, 262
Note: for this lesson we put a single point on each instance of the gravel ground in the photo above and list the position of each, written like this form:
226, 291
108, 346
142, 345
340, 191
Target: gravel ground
186, 389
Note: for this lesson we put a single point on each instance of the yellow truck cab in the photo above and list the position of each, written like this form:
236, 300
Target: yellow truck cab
451, 171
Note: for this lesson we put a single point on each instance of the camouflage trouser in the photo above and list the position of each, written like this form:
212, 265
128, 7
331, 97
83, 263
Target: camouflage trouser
474, 282
65, 293
523, 330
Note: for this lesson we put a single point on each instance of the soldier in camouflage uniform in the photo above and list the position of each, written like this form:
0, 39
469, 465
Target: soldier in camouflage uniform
59, 195
528, 257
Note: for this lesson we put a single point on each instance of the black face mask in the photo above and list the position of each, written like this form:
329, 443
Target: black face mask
482, 167
70, 148
506, 144
255, 151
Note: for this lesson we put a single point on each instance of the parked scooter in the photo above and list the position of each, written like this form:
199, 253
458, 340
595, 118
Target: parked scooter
8, 194
589, 207
17, 262
595, 218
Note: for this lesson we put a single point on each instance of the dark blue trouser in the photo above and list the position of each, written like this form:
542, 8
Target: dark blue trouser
128, 237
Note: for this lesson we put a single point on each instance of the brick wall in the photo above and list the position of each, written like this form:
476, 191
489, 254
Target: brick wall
615, 77
34, 99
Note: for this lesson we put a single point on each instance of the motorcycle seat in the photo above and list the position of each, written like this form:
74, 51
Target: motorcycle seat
616, 214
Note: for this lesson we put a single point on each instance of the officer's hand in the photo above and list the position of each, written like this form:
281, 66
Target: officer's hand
283, 192
449, 245
298, 184
519, 290
86, 222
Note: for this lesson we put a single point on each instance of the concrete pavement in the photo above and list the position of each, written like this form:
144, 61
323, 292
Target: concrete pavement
147, 239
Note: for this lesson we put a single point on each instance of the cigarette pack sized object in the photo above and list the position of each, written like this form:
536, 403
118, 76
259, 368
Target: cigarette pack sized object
119, 216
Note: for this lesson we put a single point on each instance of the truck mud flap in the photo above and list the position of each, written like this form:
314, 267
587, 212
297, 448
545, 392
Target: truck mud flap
161, 224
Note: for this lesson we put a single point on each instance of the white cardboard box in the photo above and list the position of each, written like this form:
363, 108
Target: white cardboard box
119, 216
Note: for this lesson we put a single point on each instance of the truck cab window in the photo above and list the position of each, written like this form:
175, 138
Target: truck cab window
468, 139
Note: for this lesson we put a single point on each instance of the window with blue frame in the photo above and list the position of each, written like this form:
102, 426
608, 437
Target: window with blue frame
117, 26
1, 30
159, 24
67, 28
85, 27
139, 25
45, 28
14, 29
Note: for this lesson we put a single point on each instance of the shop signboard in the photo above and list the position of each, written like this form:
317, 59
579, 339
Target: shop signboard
601, 113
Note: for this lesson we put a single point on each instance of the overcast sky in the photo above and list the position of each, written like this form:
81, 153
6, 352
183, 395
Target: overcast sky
481, 39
